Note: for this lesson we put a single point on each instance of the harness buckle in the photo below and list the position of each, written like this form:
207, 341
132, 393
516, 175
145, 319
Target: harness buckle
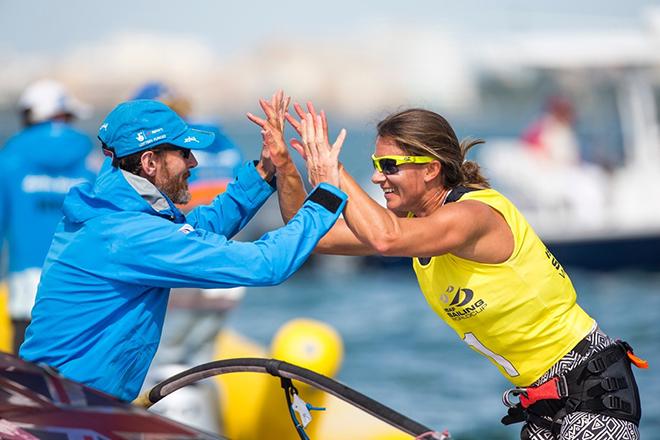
613, 383
596, 366
615, 403
571, 405
562, 387
513, 392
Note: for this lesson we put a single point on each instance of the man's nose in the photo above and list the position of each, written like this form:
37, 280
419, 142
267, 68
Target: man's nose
192, 161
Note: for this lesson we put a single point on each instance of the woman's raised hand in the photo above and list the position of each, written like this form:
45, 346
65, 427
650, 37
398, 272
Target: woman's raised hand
297, 124
322, 159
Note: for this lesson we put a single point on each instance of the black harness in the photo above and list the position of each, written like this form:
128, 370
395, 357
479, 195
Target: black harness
603, 384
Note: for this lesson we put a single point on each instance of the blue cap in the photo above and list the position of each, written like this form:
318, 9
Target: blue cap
144, 124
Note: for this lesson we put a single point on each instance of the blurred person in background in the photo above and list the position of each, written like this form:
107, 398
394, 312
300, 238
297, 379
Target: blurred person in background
123, 244
552, 162
481, 268
38, 166
552, 136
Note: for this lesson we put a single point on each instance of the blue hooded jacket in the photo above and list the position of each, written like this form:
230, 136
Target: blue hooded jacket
38, 166
122, 245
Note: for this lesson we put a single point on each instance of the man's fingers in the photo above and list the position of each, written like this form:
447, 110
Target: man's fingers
295, 124
265, 150
282, 99
257, 120
284, 108
267, 108
276, 104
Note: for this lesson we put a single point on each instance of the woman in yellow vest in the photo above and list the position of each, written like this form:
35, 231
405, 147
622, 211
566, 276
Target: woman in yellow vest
480, 266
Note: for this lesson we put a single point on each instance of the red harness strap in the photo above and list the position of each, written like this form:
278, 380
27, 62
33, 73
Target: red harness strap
547, 390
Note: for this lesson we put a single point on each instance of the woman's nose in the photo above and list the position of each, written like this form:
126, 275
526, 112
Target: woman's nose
377, 177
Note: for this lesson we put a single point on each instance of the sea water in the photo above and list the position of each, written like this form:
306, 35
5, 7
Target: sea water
399, 352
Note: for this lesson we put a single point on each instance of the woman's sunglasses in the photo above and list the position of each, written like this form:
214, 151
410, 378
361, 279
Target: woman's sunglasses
390, 164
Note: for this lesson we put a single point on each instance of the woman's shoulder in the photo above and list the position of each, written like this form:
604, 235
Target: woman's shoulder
461, 193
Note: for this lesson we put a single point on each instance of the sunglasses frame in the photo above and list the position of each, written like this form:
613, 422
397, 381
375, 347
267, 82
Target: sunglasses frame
185, 152
399, 160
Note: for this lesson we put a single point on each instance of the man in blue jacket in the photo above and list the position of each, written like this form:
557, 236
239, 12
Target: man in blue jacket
122, 245
38, 166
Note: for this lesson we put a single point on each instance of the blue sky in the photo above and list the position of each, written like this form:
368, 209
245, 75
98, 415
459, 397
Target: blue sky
44, 26
354, 56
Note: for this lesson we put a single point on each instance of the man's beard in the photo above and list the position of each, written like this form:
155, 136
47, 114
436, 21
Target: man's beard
176, 187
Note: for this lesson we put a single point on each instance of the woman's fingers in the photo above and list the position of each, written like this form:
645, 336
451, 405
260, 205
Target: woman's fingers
319, 135
325, 125
310, 108
310, 138
299, 110
303, 135
312, 127
339, 142
300, 148
295, 124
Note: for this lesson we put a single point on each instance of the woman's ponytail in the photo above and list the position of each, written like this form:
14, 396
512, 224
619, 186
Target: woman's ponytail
471, 170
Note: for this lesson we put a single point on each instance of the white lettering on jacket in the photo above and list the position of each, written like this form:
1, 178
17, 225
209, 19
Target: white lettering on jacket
186, 229
42, 183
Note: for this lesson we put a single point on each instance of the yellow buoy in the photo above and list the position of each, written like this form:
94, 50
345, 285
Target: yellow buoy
253, 405
309, 344
6, 333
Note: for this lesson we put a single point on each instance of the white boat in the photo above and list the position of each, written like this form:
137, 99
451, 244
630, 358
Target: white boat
595, 215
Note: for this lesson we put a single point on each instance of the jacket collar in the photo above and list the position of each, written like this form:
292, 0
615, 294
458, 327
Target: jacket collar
147, 191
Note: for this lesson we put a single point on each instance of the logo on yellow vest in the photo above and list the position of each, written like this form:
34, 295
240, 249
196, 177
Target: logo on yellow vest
461, 303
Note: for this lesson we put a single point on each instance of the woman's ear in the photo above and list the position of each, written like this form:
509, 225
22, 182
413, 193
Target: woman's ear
148, 161
433, 170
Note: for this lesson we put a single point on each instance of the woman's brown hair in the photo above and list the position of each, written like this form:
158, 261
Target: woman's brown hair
422, 133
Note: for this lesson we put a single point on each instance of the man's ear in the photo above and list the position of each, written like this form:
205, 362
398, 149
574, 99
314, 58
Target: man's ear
433, 170
148, 160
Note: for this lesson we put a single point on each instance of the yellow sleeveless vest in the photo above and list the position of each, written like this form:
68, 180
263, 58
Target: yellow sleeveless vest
521, 314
